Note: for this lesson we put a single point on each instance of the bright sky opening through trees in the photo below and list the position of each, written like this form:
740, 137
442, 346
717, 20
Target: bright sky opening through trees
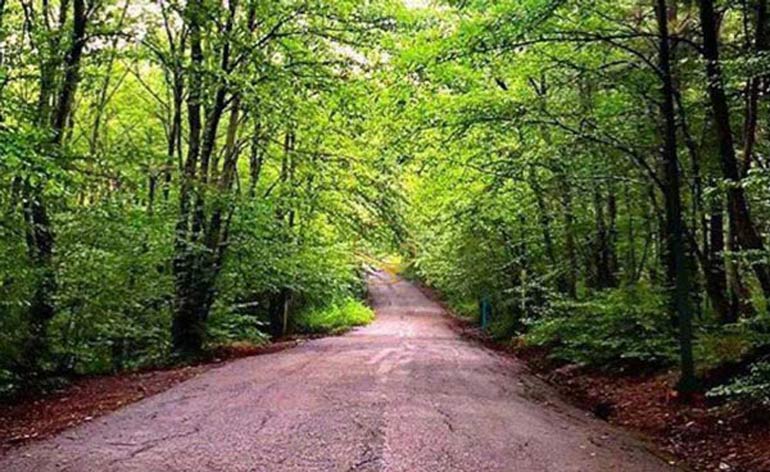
181, 174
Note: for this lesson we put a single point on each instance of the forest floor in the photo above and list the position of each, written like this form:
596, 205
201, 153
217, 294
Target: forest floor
707, 437
405, 393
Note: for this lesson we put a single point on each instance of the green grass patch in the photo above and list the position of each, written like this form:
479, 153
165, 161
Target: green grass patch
334, 318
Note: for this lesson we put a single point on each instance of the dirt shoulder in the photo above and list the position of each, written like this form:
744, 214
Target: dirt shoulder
83, 399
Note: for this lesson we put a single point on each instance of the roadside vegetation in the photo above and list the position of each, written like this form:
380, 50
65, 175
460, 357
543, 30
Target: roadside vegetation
595, 174
335, 318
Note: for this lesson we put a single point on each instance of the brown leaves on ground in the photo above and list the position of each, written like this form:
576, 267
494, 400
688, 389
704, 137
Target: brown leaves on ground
708, 437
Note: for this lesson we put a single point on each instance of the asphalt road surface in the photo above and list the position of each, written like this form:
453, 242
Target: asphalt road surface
403, 394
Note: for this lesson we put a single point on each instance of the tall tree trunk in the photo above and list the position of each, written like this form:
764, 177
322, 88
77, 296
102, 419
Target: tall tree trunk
39, 231
71, 71
544, 218
174, 144
612, 236
3, 82
200, 242
747, 235
256, 158
285, 217
711, 258
673, 203
630, 269
740, 298
187, 327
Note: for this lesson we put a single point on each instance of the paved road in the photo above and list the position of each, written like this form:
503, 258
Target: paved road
403, 394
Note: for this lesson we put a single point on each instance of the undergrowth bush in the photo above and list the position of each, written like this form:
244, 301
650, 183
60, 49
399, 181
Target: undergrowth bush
224, 328
718, 345
614, 327
752, 388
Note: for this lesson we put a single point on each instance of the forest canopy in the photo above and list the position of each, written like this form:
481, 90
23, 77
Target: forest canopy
178, 174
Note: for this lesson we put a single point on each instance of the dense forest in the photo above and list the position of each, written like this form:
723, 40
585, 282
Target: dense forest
181, 174
598, 172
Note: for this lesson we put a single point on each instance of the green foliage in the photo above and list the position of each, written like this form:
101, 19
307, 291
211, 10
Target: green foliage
752, 388
616, 327
114, 288
286, 92
535, 176
224, 328
335, 317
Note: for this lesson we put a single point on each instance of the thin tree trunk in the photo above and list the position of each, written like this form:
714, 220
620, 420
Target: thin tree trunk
569, 241
612, 236
256, 159
544, 218
675, 239
716, 278
630, 269
753, 89
601, 246
4, 81
174, 145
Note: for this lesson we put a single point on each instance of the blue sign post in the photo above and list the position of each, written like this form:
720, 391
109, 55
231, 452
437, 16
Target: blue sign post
485, 311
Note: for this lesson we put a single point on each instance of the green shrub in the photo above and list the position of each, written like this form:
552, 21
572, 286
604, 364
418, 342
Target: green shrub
466, 309
723, 345
230, 327
614, 327
753, 387
334, 318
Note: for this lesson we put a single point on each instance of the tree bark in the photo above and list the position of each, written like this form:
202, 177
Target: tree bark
753, 89
544, 218
187, 327
612, 236
39, 231
602, 255
716, 277
201, 239
747, 235
256, 158
569, 241
675, 229
4, 82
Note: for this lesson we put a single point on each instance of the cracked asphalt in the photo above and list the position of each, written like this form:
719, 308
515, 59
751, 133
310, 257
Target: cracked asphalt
403, 394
